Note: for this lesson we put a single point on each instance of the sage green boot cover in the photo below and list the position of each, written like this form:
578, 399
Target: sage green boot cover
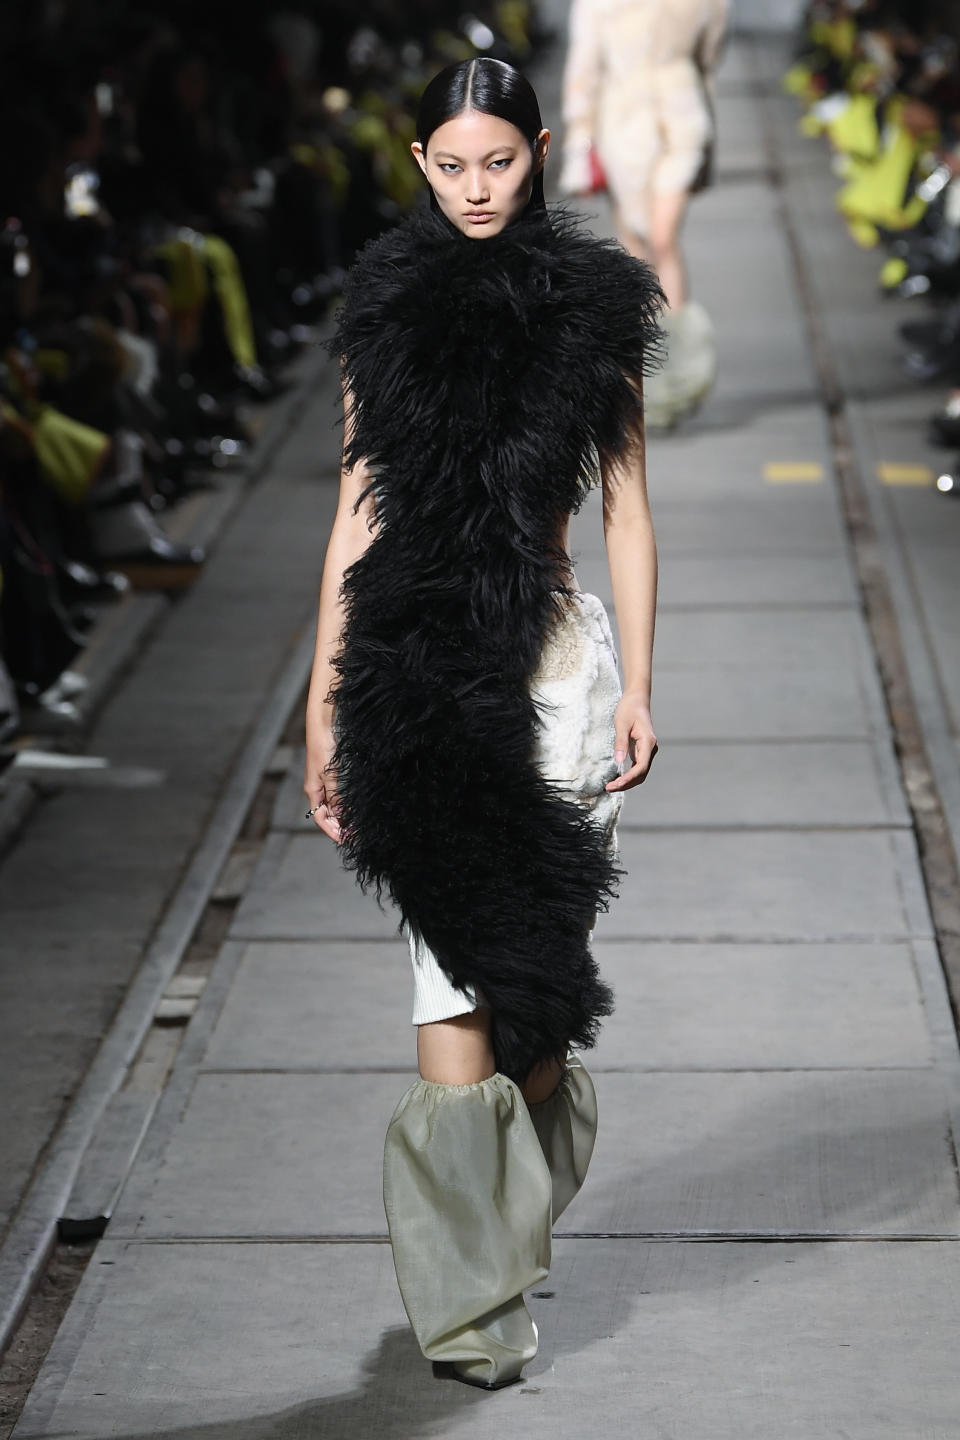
467, 1194
566, 1123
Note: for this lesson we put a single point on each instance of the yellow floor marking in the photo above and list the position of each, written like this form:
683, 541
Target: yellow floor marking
904, 474
785, 472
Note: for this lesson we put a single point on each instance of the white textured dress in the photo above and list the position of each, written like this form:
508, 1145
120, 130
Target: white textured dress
636, 86
576, 689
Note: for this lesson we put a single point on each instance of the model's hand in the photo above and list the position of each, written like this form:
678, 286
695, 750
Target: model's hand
320, 781
634, 739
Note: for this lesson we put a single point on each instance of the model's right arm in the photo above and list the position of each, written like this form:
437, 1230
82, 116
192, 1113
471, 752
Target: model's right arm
353, 529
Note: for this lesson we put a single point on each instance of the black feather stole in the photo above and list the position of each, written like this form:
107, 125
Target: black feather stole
488, 376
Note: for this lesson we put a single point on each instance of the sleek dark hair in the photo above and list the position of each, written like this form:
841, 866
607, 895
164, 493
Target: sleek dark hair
491, 86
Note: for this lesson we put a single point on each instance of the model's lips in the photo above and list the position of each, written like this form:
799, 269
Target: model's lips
479, 217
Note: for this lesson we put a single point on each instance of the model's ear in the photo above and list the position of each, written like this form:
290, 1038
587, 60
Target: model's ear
541, 149
416, 149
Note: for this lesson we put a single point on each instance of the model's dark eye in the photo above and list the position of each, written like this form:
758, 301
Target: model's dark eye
500, 164
448, 167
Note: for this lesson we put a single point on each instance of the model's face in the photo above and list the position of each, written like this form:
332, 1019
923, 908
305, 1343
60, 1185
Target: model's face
481, 170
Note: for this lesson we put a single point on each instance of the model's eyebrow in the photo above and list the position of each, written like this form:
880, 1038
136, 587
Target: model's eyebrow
448, 155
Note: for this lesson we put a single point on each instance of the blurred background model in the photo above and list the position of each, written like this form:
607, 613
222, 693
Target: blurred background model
639, 123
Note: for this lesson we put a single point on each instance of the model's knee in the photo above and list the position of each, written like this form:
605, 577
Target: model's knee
457, 1051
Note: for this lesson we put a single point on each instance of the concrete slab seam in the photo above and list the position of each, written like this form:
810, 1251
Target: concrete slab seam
177, 1089
909, 872
884, 753
898, 1066
786, 827
692, 1236
936, 1004
707, 937
265, 872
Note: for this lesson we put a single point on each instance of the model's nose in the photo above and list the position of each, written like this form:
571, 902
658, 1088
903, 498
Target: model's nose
478, 189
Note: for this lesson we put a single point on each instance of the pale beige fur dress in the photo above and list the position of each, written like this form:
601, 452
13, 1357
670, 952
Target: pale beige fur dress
636, 85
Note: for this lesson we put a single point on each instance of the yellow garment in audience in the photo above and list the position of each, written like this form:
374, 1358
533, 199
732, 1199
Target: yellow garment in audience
878, 193
192, 260
855, 130
69, 453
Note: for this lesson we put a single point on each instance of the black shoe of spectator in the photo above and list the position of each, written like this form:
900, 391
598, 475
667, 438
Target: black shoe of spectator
128, 537
82, 582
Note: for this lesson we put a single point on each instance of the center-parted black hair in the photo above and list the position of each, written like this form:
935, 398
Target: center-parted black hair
492, 87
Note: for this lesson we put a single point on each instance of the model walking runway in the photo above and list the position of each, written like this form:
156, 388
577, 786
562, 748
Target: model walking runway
465, 726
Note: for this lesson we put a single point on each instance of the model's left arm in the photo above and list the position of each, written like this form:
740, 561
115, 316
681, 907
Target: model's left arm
632, 558
619, 302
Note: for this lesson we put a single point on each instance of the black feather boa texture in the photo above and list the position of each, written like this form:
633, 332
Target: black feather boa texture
488, 377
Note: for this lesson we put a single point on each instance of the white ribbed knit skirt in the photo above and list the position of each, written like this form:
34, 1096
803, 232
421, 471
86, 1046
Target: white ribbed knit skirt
576, 689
